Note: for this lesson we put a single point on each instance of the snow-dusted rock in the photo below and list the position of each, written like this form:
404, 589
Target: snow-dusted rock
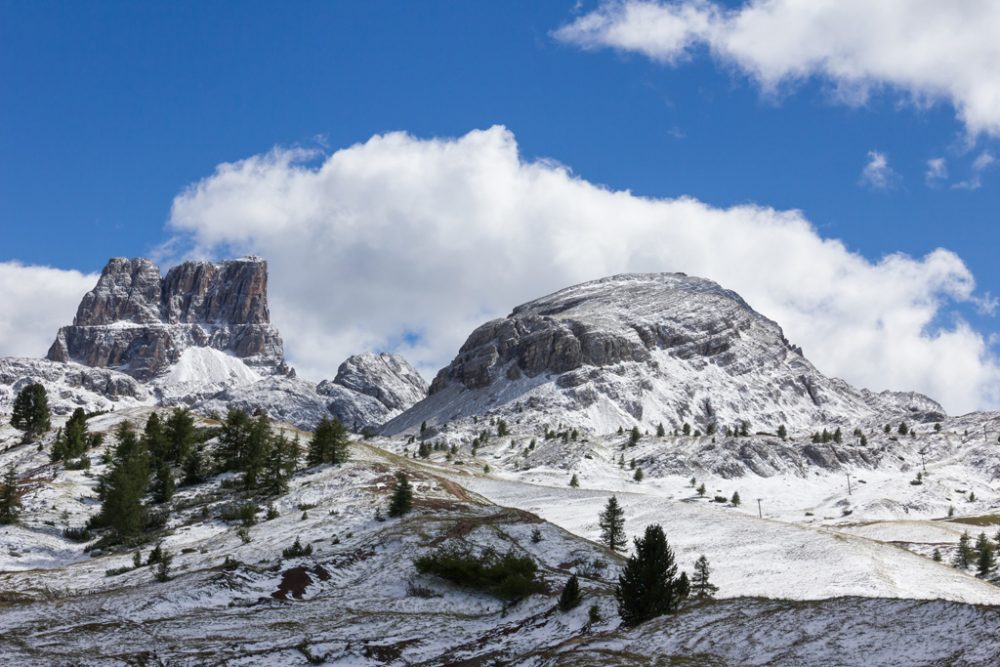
70, 385
370, 389
641, 349
138, 323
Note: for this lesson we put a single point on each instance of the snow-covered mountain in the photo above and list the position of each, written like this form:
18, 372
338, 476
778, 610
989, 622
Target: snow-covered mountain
200, 336
644, 349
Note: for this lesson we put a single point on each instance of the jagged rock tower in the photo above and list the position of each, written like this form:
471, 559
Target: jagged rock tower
139, 323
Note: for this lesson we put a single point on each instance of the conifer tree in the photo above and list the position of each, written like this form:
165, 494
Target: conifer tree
782, 432
660, 431
124, 486
986, 560
612, 524
10, 497
194, 466
180, 435
330, 442
258, 451
700, 585
570, 596
683, 587
639, 475
964, 555
73, 440
701, 490
234, 440
736, 499
573, 481
281, 462
633, 438
155, 441
686, 430
31, 411
402, 497
648, 585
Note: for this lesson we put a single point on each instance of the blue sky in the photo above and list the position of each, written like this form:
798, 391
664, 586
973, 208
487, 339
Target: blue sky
109, 110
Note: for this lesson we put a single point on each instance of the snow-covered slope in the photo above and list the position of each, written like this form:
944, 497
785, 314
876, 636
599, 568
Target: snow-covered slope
644, 349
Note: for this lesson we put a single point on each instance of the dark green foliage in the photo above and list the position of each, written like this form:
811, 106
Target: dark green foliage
536, 536
701, 490
155, 441
234, 440
163, 566
573, 481
80, 534
863, 441
281, 461
736, 499
502, 429
612, 524
639, 475
633, 438
402, 497
985, 560
683, 587
329, 443
838, 437
686, 429
965, 553
245, 513
660, 431
424, 450
10, 498
937, 555
570, 596
506, 577
744, 429
648, 585
31, 412
73, 440
903, 428
297, 550
782, 432
700, 585
124, 486
245, 445
594, 613
180, 435
194, 467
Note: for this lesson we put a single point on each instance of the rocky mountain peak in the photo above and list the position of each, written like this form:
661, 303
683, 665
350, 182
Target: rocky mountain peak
138, 322
640, 350
372, 388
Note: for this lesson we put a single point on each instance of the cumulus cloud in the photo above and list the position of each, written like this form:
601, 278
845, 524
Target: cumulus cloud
408, 244
937, 171
926, 50
877, 174
35, 302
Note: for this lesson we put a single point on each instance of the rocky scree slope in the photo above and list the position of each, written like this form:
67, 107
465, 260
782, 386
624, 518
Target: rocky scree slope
641, 349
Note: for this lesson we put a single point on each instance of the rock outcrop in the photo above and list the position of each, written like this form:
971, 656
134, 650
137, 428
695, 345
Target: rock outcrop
138, 323
640, 350
370, 389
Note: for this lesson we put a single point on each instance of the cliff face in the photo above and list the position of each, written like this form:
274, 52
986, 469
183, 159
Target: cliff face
371, 388
139, 323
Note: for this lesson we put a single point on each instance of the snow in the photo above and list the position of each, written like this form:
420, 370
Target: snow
199, 366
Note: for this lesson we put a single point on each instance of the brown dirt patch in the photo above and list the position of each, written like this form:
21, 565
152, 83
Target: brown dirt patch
293, 582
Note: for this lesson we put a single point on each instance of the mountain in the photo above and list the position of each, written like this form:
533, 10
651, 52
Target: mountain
200, 337
139, 323
369, 389
644, 349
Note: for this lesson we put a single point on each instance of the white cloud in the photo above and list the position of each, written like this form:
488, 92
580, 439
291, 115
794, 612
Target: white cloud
401, 235
877, 174
926, 50
983, 161
937, 171
35, 301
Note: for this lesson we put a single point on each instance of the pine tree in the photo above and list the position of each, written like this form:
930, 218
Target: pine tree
73, 440
234, 440
574, 482
639, 475
700, 585
683, 587
10, 497
402, 497
937, 555
782, 432
660, 431
124, 486
701, 490
903, 428
180, 435
633, 438
986, 561
330, 442
838, 437
963, 557
257, 452
31, 411
686, 430
612, 524
281, 462
735, 499
570, 596
194, 466
648, 585
155, 442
